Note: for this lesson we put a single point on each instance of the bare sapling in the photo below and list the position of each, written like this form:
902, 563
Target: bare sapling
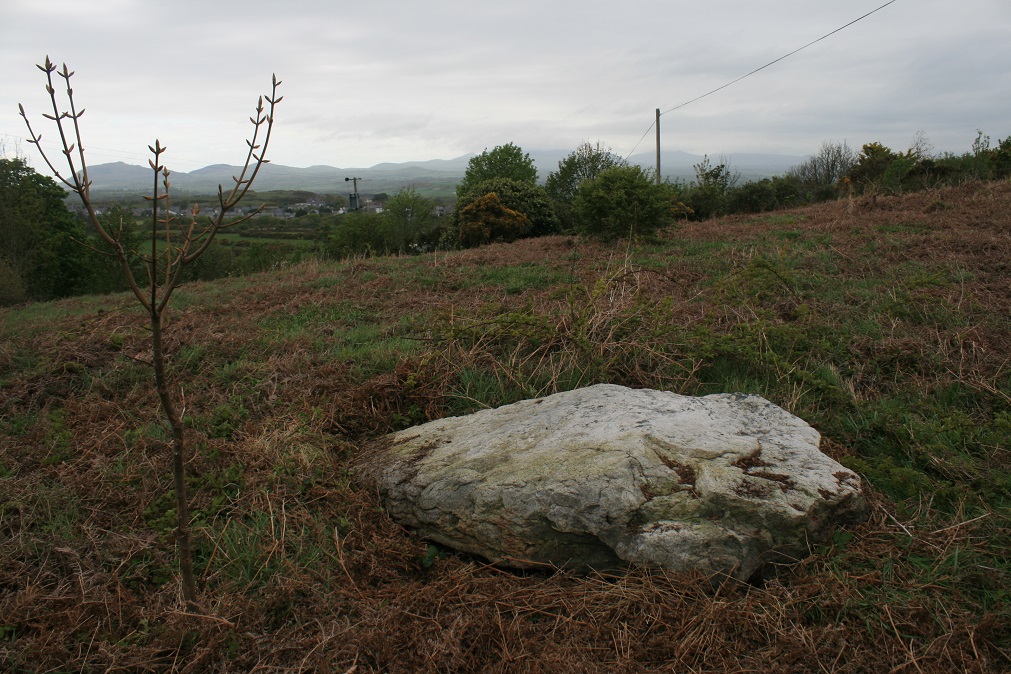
174, 245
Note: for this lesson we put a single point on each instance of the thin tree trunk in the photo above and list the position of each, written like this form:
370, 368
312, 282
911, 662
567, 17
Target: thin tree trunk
175, 258
178, 463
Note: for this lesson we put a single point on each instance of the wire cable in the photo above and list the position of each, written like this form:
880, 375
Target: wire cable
770, 63
641, 139
676, 107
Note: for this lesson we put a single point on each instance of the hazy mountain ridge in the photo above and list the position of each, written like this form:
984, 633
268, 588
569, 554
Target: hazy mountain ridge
437, 174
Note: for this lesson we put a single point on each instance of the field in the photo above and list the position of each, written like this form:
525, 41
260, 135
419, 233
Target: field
885, 324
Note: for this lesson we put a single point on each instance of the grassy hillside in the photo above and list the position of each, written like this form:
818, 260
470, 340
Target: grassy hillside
886, 325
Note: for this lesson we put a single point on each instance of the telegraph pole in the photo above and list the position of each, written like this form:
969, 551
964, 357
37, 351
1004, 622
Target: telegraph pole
658, 179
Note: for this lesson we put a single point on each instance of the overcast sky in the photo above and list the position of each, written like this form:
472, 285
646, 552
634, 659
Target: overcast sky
383, 80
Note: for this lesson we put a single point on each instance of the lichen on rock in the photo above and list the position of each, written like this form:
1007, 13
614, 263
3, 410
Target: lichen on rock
605, 476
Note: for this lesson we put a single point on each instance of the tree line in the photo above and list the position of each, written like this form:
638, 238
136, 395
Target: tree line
593, 192
47, 251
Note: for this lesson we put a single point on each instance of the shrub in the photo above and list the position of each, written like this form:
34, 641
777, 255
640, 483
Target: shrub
789, 192
406, 218
623, 201
708, 193
585, 163
487, 219
357, 233
752, 197
880, 168
522, 197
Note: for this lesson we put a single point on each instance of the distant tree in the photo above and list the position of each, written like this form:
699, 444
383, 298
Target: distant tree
921, 146
181, 245
405, 217
981, 156
755, 196
623, 201
789, 191
38, 235
586, 162
110, 278
822, 172
708, 192
357, 233
381, 197
219, 261
504, 161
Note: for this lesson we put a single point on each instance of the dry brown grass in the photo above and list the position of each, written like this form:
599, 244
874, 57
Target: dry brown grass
300, 569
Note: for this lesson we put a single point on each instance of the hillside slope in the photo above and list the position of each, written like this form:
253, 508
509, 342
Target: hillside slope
884, 324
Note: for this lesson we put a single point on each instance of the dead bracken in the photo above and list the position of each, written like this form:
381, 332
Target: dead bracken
301, 570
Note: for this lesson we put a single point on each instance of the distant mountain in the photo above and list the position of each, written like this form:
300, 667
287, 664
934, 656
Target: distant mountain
455, 166
750, 166
438, 177
434, 177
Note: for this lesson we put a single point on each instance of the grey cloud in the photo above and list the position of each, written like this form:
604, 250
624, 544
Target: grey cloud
393, 81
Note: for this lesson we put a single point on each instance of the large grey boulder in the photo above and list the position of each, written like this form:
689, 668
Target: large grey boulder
603, 476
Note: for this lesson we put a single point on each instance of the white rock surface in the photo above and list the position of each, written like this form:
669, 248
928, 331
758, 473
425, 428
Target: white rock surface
603, 476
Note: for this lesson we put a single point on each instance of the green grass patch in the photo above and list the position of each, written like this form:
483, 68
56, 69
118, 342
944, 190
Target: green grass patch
516, 279
780, 219
314, 320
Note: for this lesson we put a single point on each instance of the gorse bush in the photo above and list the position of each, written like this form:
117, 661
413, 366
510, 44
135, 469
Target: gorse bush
487, 219
510, 174
879, 166
521, 197
879, 169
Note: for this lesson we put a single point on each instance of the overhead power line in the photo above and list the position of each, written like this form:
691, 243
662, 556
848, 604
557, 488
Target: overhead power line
770, 63
826, 35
